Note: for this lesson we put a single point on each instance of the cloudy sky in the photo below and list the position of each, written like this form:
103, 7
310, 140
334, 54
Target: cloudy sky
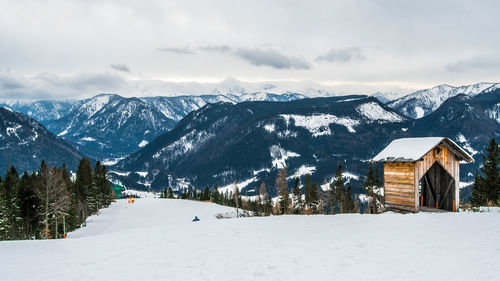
81, 48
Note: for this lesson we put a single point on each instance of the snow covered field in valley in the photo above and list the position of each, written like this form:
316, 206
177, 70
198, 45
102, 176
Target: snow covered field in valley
154, 239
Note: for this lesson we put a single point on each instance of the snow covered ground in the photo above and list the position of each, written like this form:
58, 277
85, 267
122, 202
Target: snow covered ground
154, 239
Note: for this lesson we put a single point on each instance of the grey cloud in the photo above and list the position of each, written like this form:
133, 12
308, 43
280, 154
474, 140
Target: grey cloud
9, 82
474, 63
181, 51
255, 56
271, 58
46, 85
120, 67
261, 57
101, 81
217, 48
342, 55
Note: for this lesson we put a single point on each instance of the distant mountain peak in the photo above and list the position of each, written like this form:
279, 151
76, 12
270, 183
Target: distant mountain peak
423, 102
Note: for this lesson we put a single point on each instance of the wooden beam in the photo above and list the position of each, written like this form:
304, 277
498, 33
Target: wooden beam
446, 193
430, 186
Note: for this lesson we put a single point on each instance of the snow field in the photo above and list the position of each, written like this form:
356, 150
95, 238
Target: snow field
154, 239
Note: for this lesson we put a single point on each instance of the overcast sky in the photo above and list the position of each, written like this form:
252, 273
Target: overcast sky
81, 48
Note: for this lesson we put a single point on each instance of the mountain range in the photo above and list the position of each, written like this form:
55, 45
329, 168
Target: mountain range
110, 126
248, 142
422, 103
216, 139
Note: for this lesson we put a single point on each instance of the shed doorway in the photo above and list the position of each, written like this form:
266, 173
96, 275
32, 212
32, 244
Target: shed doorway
437, 189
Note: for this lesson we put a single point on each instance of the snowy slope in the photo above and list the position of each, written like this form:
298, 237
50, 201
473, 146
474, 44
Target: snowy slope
154, 239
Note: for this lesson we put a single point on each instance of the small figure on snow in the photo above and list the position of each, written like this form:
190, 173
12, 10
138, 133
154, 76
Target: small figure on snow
196, 218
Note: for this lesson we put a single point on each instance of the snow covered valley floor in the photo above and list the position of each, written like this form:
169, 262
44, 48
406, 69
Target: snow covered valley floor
154, 239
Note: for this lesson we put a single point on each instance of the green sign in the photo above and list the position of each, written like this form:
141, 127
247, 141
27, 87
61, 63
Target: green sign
118, 190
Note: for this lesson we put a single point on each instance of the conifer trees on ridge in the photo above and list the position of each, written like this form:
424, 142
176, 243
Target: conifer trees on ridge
47, 204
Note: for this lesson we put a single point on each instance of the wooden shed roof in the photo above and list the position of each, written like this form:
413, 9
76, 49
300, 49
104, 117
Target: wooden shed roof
413, 149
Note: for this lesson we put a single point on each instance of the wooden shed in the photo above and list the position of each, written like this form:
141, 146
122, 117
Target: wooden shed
421, 173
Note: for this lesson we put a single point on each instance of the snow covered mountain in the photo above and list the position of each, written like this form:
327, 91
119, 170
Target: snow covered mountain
248, 142
470, 121
424, 102
42, 111
111, 126
178, 107
24, 143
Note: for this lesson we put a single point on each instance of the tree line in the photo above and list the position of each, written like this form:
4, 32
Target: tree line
300, 198
47, 203
486, 186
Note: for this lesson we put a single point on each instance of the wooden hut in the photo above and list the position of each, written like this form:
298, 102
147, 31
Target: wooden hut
421, 173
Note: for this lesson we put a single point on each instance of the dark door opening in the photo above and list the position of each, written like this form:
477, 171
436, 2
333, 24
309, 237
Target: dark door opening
437, 188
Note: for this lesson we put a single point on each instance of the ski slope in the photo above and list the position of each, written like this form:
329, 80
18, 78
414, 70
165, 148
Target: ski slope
154, 239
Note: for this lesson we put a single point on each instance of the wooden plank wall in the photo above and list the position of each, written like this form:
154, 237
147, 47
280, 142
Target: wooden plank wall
399, 186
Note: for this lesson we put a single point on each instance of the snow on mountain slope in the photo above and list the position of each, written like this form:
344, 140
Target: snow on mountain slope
319, 124
374, 112
42, 110
110, 126
178, 107
154, 239
494, 112
207, 147
24, 143
423, 102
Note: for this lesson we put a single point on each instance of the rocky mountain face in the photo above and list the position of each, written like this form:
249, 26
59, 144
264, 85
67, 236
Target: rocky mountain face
248, 142
422, 103
24, 142
111, 126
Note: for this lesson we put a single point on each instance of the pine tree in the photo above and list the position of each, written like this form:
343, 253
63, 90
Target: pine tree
215, 195
348, 204
486, 189
315, 197
103, 187
371, 190
338, 192
11, 218
307, 188
205, 194
281, 186
297, 197
84, 188
170, 193
29, 205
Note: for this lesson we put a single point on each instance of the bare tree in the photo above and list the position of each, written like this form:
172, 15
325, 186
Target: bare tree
281, 186
236, 195
53, 191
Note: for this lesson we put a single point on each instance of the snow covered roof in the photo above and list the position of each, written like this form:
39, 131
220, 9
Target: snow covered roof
412, 149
